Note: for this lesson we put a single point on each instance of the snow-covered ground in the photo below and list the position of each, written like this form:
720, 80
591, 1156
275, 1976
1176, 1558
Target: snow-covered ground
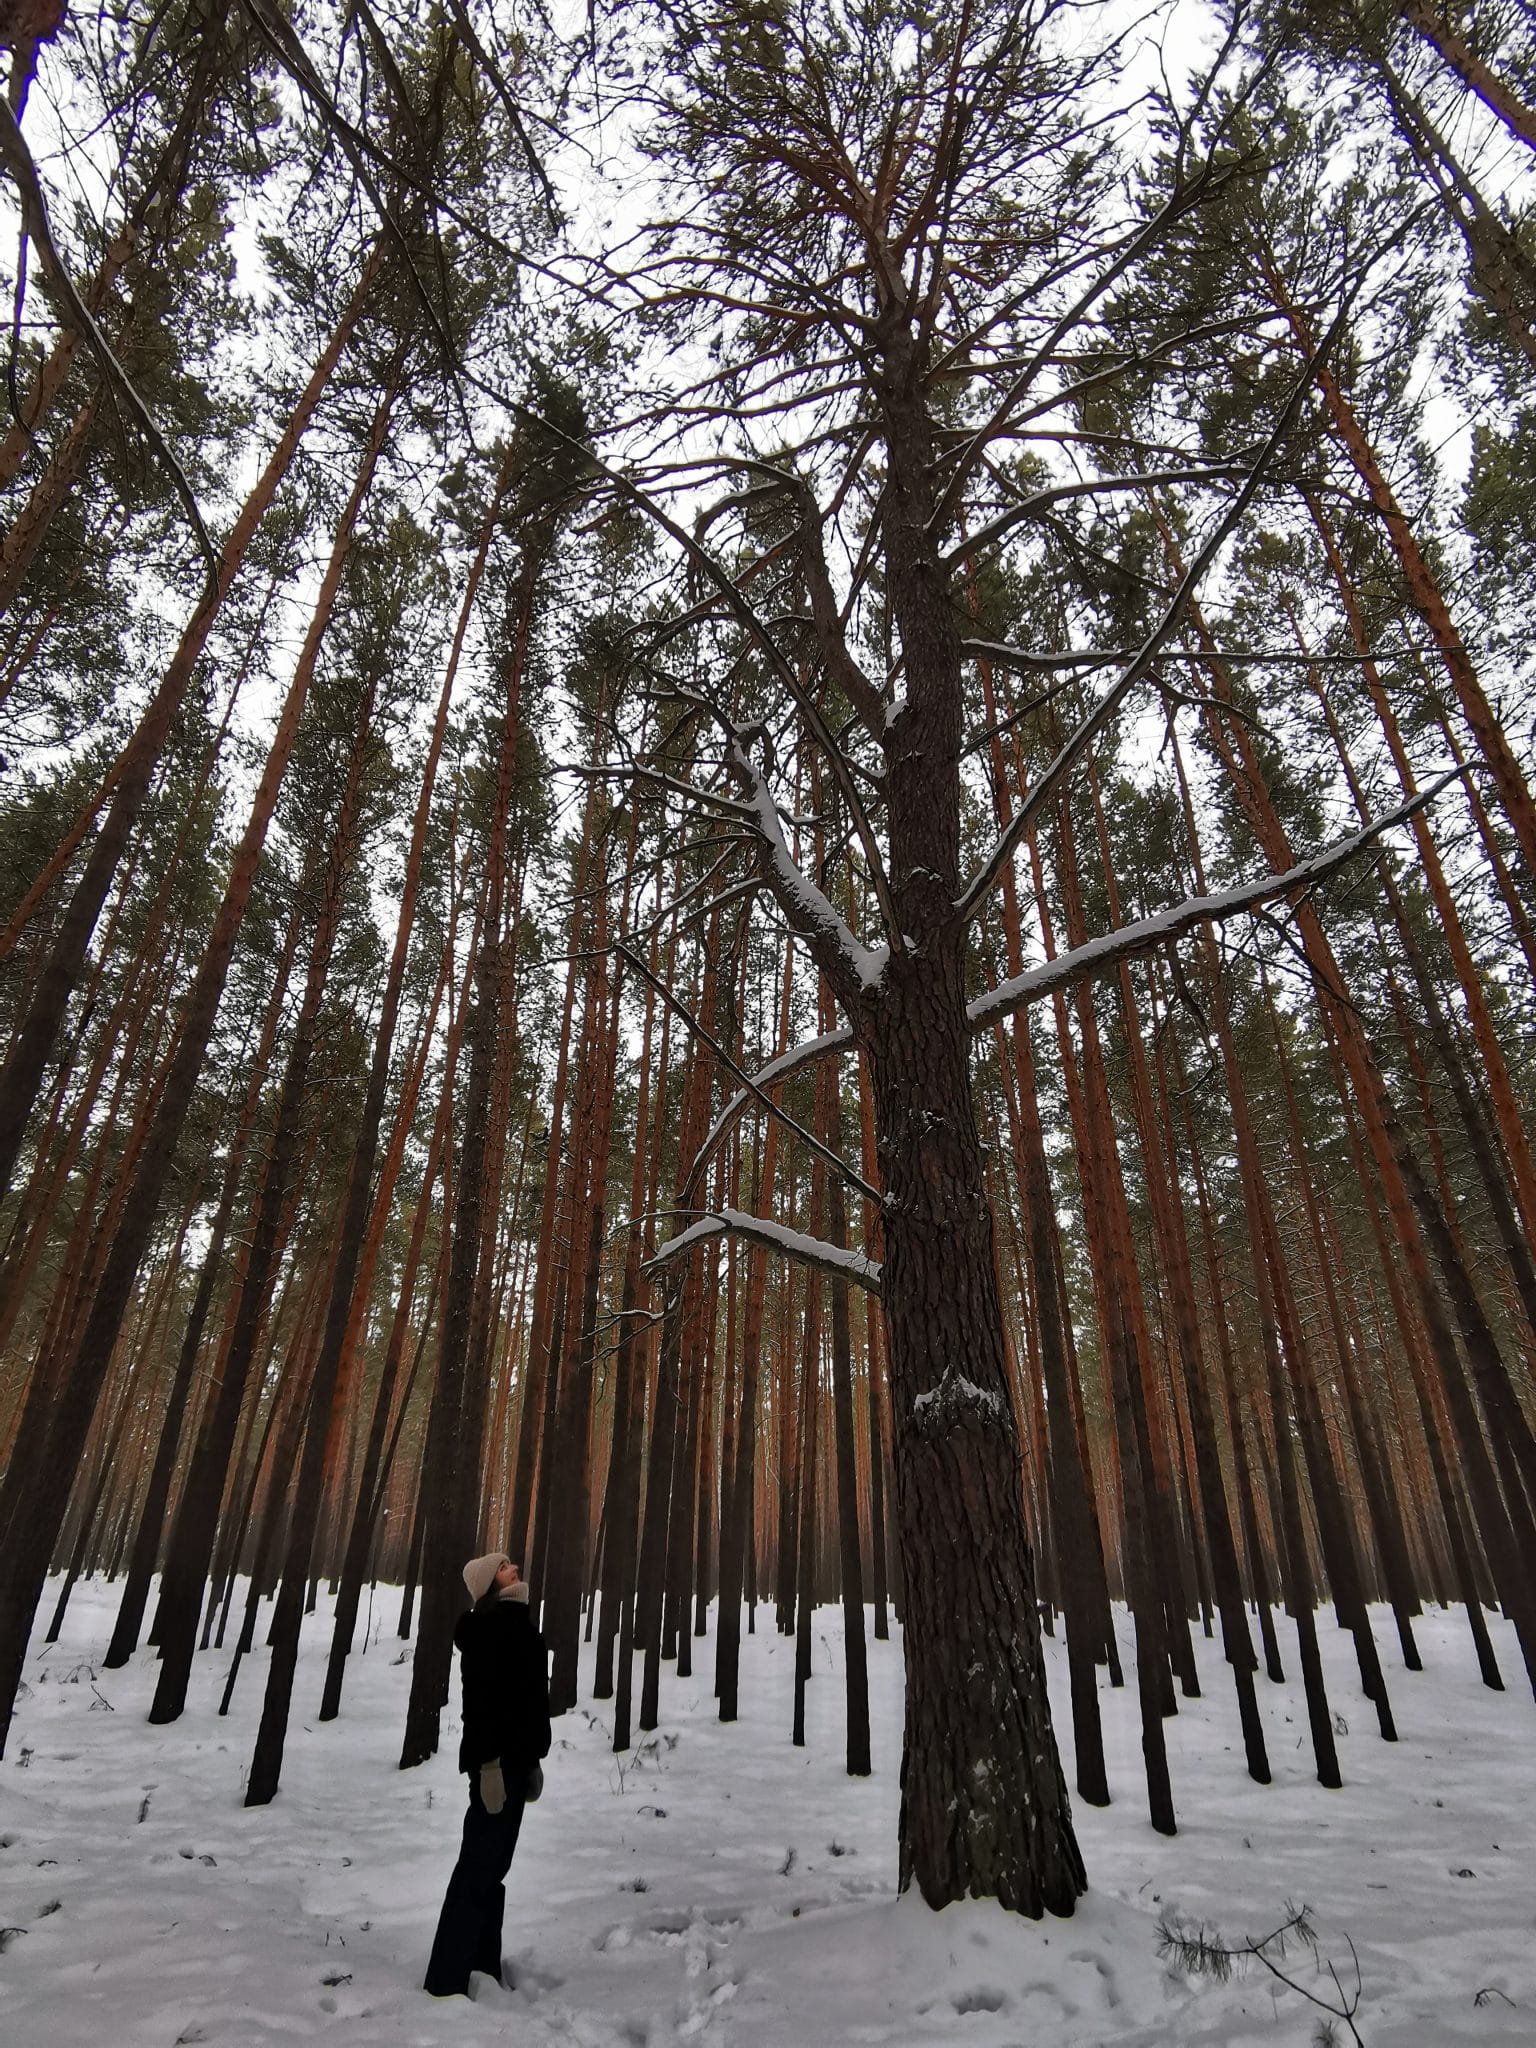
720, 1887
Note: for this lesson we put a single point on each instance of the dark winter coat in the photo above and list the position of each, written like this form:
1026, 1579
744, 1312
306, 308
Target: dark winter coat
505, 1668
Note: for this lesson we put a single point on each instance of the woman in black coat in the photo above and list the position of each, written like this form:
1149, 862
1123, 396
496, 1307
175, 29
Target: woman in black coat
505, 1670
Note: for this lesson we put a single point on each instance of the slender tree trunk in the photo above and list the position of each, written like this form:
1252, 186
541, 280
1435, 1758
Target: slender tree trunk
39, 1029
810, 1433
736, 1529
153, 211
30, 527
855, 1656
187, 1563
621, 1495
1424, 589
151, 1530
1434, 23
53, 1439
450, 1483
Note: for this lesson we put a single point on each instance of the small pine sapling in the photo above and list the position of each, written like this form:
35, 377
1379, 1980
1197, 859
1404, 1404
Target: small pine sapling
1204, 1952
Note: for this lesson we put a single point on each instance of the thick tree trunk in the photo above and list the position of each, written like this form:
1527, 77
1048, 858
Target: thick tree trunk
984, 1806
1079, 1549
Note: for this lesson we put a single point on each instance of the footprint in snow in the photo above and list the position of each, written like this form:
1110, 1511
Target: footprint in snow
981, 1998
669, 1929
533, 1979
706, 1986
1106, 1975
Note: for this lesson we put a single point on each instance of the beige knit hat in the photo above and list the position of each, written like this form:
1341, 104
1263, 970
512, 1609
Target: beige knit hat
480, 1573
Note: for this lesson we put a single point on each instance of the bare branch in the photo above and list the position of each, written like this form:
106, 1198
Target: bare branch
1025, 663
1090, 727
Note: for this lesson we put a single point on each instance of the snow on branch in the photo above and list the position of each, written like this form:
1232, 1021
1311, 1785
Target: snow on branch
751, 1087
793, 1244
806, 1054
1150, 932
1144, 936
809, 909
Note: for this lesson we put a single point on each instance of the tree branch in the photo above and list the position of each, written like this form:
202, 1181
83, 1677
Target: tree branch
754, 1088
18, 160
794, 1244
1145, 936
1089, 728
1148, 933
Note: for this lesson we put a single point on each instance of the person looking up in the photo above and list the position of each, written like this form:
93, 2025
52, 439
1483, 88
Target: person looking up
504, 1667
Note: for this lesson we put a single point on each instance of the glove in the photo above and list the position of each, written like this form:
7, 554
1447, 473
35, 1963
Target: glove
535, 1784
493, 1787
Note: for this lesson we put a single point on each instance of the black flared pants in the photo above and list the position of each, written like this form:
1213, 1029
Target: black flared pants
469, 1926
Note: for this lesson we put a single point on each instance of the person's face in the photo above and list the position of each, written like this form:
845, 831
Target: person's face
507, 1575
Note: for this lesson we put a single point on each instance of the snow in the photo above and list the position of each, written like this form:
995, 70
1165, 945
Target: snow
954, 1397
720, 1887
796, 889
806, 1053
794, 1244
1094, 955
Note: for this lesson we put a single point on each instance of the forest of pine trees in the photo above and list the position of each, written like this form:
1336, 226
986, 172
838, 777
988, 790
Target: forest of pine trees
766, 826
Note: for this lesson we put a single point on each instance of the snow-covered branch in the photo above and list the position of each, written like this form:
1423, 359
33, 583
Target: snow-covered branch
793, 1244
1094, 957
804, 904
1150, 932
750, 1086
1083, 487
791, 1061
